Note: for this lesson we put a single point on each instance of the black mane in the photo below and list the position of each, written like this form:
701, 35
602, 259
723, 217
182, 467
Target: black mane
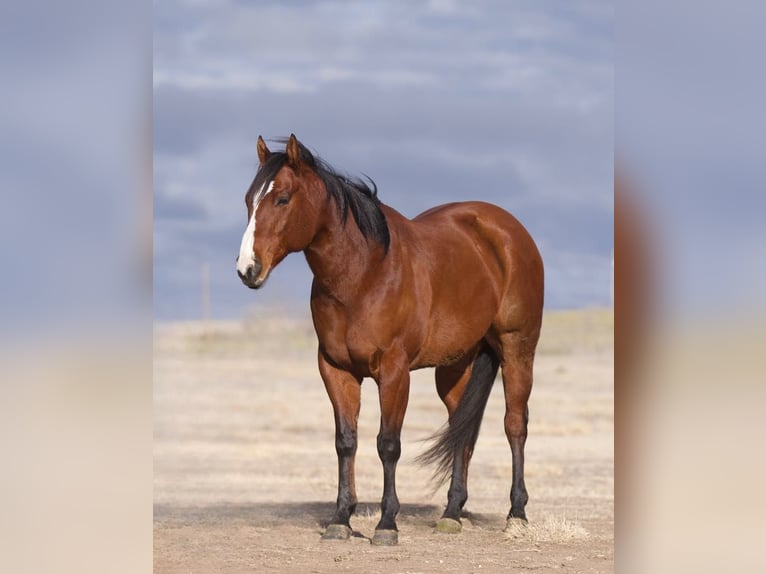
348, 193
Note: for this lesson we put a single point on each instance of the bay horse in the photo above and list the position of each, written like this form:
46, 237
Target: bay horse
458, 288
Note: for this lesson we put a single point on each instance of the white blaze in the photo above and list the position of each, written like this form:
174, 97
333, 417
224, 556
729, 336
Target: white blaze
246, 256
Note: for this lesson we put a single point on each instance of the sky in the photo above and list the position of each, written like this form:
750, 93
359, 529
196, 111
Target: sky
438, 101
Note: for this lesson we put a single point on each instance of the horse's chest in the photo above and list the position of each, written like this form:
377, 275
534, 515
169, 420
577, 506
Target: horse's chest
357, 338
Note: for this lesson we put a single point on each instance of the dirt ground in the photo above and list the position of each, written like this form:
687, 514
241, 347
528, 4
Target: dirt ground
245, 468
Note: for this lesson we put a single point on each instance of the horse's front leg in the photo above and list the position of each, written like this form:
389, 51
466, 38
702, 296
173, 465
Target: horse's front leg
344, 392
393, 388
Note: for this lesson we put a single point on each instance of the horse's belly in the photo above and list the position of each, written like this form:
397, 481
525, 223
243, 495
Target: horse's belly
464, 303
451, 337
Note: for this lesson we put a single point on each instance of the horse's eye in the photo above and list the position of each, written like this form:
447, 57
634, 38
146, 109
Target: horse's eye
283, 200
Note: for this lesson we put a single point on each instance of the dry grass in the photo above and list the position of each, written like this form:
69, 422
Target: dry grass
548, 529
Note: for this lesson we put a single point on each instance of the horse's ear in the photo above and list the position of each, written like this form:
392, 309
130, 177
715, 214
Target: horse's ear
293, 151
263, 151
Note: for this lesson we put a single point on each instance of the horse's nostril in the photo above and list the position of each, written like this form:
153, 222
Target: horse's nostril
250, 274
255, 269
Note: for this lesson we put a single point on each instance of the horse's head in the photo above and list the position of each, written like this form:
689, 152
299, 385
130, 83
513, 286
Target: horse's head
283, 210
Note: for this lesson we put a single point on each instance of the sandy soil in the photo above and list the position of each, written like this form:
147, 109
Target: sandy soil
245, 467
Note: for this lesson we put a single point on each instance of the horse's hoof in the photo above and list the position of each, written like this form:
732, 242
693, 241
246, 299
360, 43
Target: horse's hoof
337, 532
515, 524
448, 526
385, 538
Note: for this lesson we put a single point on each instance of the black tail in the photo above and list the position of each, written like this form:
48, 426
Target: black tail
463, 428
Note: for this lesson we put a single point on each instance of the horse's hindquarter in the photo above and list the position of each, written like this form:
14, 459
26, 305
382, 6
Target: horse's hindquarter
485, 273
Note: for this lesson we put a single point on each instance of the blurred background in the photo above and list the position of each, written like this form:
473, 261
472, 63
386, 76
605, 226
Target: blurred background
75, 286
690, 271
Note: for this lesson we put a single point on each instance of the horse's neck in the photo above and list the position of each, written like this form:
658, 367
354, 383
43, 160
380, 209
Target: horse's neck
340, 257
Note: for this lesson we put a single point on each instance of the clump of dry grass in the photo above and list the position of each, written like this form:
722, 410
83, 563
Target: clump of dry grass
367, 515
549, 529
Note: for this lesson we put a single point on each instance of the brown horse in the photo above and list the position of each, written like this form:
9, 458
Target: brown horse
459, 288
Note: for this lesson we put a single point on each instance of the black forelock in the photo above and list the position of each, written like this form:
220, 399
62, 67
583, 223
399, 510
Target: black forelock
348, 193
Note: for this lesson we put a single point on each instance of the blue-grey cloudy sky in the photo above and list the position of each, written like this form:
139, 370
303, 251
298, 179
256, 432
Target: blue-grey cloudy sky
438, 101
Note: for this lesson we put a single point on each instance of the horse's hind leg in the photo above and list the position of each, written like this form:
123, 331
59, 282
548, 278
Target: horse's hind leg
464, 388
518, 352
451, 382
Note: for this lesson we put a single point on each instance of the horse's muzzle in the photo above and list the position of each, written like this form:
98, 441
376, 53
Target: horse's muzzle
251, 275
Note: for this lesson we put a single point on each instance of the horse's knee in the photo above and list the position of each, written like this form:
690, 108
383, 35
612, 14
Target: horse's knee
516, 424
389, 448
345, 443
